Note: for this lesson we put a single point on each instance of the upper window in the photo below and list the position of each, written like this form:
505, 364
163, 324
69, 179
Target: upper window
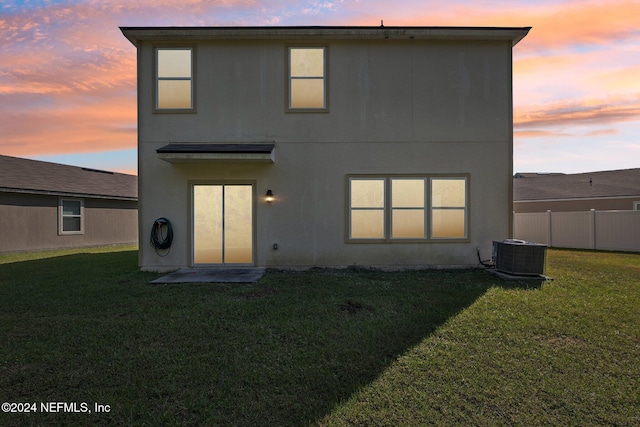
71, 216
399, 208
307, 71
174, 79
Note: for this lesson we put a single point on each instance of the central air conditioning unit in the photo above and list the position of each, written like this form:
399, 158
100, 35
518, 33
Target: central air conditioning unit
519, 258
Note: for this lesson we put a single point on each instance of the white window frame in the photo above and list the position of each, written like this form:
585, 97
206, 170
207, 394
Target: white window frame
636, 206
325, 80
428, 209
62, 216
157, 79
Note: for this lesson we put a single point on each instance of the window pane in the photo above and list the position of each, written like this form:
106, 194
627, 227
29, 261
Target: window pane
448, 192
174, 63
174, 94
307, 62
407, 193
367, 224
407, 224
71, 224
448, 224
307, 93
367, 193
207, 224
70, 207
238, 224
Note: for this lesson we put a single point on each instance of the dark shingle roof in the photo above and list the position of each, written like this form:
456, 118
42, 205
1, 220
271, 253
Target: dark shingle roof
34, 176
615, 183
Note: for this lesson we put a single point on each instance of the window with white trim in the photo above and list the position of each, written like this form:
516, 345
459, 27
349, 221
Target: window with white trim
71, 216
636, 206
407, 208
174, 79
307, 78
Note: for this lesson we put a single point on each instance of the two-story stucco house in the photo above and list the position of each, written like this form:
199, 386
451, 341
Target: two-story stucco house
324, 146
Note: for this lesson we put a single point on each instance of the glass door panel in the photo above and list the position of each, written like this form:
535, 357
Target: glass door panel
207, 224
238, 224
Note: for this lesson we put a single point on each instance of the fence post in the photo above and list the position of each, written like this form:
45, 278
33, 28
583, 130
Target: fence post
549, 234
592, 229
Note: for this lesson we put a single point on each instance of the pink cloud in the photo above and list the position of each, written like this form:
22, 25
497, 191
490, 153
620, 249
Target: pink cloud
538, 134
618, 79
594, 111
73, 126
517, 134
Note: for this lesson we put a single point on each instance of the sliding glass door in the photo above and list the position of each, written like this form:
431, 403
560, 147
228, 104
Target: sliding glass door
222, 224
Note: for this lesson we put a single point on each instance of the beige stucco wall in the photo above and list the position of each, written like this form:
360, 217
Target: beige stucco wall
34, 223
396, 107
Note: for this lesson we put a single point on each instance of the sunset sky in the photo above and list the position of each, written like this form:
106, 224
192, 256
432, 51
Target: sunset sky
68, 86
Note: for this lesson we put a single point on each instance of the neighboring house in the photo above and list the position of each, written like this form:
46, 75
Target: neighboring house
51, 206
324, 146
606, 190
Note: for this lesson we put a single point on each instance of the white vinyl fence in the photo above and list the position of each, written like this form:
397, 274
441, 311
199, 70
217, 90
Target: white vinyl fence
604, 230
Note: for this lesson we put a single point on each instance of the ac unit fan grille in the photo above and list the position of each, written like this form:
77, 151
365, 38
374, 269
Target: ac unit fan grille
520, 258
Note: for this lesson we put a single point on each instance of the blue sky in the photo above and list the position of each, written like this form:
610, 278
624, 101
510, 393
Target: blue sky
67, 75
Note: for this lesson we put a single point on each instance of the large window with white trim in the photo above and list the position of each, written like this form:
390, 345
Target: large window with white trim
402, 208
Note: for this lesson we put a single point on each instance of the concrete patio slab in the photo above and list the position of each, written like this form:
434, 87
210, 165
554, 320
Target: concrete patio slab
212, 275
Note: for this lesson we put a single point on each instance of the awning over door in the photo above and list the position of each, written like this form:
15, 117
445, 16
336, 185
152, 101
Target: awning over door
249, 152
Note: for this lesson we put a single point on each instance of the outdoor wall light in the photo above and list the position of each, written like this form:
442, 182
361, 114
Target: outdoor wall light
269, 196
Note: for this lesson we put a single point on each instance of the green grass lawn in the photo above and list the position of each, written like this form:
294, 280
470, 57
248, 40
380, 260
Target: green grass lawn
320, 347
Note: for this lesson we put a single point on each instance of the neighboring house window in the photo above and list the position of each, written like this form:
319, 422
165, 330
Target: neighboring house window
407, 208
307, 75
71, 216
174, 79
636, 206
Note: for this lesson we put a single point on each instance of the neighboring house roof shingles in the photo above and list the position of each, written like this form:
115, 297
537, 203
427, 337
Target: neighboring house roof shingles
20, 175
615, 183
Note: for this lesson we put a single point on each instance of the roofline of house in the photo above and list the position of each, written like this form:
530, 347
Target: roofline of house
513, 34
65, 194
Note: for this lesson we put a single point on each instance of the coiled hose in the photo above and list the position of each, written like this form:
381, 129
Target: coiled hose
158, 241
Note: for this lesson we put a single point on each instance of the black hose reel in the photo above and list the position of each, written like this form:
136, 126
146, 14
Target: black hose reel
161, 235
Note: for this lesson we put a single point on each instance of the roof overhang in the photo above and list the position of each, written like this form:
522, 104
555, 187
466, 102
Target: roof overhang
220, 152
513, 34
66, 194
